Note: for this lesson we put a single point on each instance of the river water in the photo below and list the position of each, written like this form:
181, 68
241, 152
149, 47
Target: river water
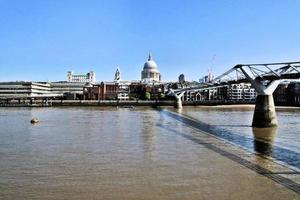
121, 153
234, 124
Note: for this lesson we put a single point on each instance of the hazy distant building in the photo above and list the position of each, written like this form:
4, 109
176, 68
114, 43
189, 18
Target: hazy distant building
181, 78
150, 71
82, 78
208, 78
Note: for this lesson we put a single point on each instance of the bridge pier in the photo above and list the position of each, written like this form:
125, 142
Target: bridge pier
264, 113
178, 103
264, 139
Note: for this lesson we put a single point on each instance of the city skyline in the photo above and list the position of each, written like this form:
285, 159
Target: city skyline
41, 41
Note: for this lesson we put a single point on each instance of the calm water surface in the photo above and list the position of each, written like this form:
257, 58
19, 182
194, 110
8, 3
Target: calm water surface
234, 124
111, 153
238, 121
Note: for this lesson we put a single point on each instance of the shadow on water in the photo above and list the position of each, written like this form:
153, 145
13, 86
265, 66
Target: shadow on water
264, 139
262, 143
231, 125
236, 158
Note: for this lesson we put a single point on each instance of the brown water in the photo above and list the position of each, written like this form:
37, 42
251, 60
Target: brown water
110, 153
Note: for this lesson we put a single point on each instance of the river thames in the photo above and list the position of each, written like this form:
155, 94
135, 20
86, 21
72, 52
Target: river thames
145, 153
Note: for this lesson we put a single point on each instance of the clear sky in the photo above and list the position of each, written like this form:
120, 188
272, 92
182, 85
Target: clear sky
43, 39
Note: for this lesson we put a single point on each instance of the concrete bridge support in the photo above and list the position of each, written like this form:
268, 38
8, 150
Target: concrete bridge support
264, 139
264, 113
178, 101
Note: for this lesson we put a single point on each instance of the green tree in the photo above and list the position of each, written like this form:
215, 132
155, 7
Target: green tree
147, 96
162, 95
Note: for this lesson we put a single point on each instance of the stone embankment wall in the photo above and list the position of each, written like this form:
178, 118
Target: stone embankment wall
41, 103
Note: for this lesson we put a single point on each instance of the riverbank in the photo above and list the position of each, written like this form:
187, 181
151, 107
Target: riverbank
152, 103
129, 103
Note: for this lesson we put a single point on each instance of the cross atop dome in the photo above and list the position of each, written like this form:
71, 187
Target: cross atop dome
150, 56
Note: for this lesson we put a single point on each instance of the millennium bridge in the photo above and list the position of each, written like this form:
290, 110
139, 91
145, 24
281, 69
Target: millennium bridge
264, 78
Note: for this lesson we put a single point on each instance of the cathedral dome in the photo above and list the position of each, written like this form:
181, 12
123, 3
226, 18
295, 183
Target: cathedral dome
150, 65
150, 71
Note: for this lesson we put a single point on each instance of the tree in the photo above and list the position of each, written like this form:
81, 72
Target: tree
162, 95
147, 96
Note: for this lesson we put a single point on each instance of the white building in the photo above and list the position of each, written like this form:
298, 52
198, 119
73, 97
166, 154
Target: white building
24, 90
70, 90
90, 77
123, 90
150, 71
241, 91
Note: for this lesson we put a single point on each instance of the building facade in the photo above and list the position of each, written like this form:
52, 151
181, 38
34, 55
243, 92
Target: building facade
242, 92
287, 94
138, 90
116, 90
90, 77
26, 90
68, 90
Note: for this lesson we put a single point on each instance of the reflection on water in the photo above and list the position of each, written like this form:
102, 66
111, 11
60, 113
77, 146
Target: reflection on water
264, 139
234, 124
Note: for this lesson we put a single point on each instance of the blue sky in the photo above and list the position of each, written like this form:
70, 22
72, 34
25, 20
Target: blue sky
42, 39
